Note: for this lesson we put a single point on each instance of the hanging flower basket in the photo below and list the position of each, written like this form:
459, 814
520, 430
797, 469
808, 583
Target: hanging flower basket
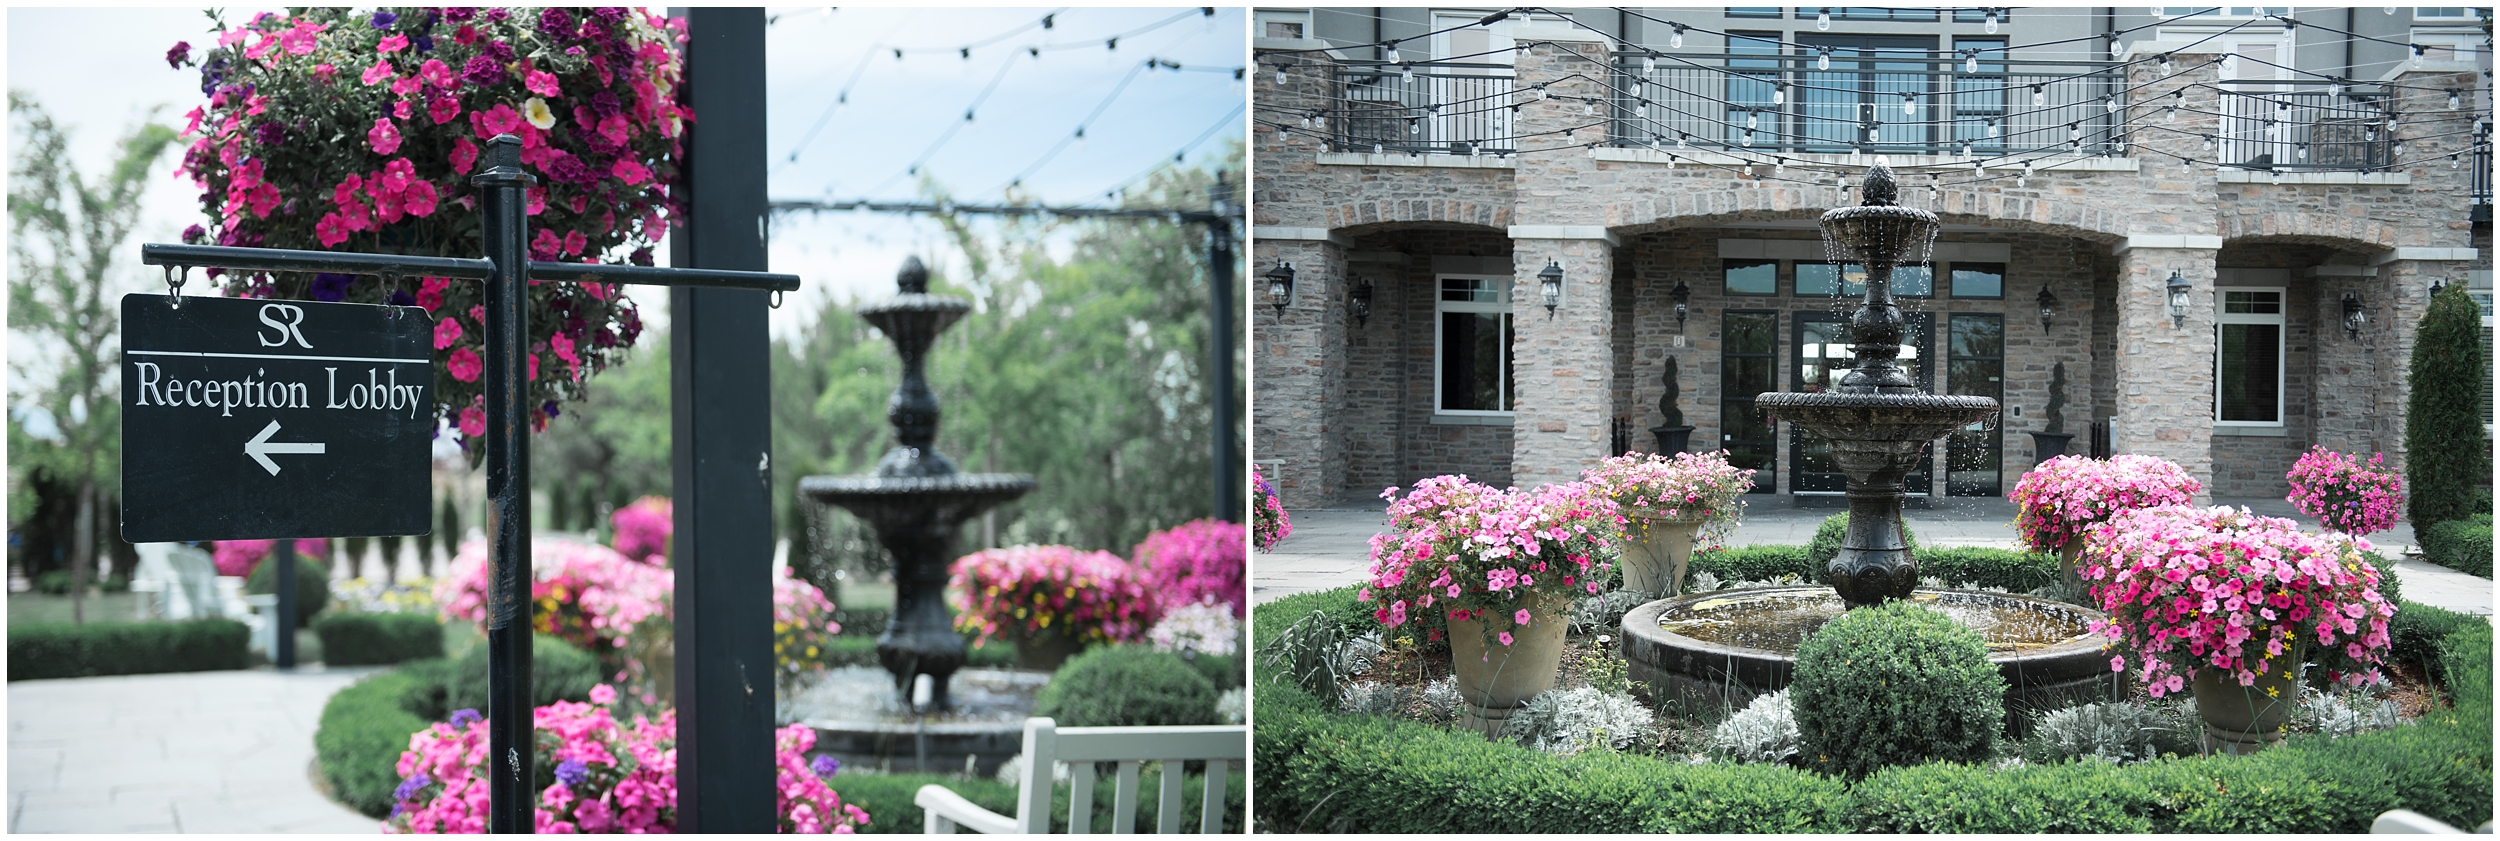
1268, 520
2346, 495
353, 130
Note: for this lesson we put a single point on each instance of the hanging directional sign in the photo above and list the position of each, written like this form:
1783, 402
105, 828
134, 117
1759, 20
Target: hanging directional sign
246, 419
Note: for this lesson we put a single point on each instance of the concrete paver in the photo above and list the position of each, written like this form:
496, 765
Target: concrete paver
225, 752
1330, 547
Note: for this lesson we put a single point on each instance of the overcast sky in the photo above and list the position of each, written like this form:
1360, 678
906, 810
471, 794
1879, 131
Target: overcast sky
100, 70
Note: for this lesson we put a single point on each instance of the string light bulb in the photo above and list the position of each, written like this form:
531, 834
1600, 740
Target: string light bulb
1779, 94
1280, 74
2115, 51
2165, 64
1406, 74
1823, 20
1992, 135
1909, 104
2335, 89
2111, 103
2278, 175
1393, 51
1991, 25
2455, 101
2417, 56
1824, 60
2038, 97
2074, 132
1750, 122
1965, 148
2301, 150
1676, 41
1649, 65
1970, 61
2230, 64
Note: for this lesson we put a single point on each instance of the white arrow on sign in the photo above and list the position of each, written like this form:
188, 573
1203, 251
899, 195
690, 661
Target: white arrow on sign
260, 449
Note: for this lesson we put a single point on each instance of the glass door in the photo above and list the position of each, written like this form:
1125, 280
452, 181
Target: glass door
1868, 76
1974, 456
1747, 360
1820, 358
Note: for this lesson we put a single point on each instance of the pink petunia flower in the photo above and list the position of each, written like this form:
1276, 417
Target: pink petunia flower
392, 44
629, 171
1521, 617
464, 366
383, 137
472, 419
446, 332
418, 199
542, 83
380, 71
331, 230
463, 155
442, 108
1505, 637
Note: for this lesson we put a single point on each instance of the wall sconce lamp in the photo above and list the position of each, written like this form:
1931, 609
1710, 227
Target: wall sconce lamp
2438, 283
1358, 301
2354, 315
2178, 299
1280, 287
2048, 307
1549, 283
1682, 295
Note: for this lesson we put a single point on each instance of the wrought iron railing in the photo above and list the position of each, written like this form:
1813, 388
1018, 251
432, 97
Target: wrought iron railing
2297, 125
1803, 104
1446, 107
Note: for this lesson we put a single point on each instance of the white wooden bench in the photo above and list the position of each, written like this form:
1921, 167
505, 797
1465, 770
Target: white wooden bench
1046, 744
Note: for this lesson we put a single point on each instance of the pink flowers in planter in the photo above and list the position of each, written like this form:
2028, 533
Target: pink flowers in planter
1195, 561
1470, 549
1688, 486
2343, 494
239, 557
1092, 596
1267, 513
643, 529
2220, 588
2057, 500
602, 775
588, 594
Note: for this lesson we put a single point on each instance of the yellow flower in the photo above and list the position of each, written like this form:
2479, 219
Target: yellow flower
1044, 620
811, 651
539, 114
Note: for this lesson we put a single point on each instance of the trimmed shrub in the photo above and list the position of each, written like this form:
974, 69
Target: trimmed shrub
2462, 545
1222, 670
54, 582
2013, 572
1826, 544
37, 652
1754, 563
372, 639
1127, 686
364, 729
2419, 631
2443, 412
1895, 684
312, 586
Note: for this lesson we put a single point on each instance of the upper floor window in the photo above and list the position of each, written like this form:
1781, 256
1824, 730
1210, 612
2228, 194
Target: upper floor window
1981, 15
1867, 13
1753, 11
1284, 23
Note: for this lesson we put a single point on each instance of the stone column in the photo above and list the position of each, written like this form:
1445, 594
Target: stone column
1298, 363
2347, 371
1563, 367
2165, 369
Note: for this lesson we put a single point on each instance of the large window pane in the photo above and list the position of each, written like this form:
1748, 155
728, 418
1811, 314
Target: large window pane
1979, 280
1752, 277
2252, 363
1475, 361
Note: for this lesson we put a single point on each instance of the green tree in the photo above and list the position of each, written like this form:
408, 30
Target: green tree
612, 443
2444, 445
65, 234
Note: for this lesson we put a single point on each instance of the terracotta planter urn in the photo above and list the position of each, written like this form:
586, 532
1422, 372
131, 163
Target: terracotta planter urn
1657, 551
1495, 679
2246, 719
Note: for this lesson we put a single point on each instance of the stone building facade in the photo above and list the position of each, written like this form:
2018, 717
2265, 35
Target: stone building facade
1445, 245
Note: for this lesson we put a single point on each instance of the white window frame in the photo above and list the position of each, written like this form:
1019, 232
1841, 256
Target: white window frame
2479, 288
1501, 284
2282, 341
1261, 17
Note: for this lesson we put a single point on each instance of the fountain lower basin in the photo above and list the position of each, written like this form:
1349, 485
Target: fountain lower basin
1717, 650
860, 720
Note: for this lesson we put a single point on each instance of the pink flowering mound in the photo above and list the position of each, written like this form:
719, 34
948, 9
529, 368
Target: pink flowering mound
1195, 561
1023, 590
2219, 588
2346, 495
359, 130
643, 529
1687, 486
587, 594
602, 775
1470, 549
1267, 513
2057, 500
240, 557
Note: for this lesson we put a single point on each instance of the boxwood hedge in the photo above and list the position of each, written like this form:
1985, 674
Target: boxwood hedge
1325, 772
39, 651
376, 639
2461, 545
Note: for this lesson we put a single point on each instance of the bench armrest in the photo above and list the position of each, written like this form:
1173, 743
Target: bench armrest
944, 810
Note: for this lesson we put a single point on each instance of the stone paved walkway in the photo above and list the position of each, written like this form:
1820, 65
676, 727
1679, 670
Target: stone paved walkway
224, 752
1330, 546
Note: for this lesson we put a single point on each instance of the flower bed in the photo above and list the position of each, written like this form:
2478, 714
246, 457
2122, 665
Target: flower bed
1319, 770
2345, 495
2189, 589
2057, 500
1022, 590
590, 595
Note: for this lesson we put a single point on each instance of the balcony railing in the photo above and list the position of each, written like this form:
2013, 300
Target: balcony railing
1445, 107
1792, 104
2269, 124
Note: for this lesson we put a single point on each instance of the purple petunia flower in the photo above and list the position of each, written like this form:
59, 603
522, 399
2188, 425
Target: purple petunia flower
498, 13
408, 788
572, 772
179, 54
825, 765
459, 14
194, 234
640, 257
424, 43
502, 51
327, 286
460, 717
482, 70
269, 134
401, 298
556, 22
550, 409
383, 20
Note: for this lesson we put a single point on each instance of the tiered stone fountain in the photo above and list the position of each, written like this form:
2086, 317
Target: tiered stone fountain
916, 502
1724, 647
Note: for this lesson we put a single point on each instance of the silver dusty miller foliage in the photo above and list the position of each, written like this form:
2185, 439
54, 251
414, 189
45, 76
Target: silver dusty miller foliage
1568, 721
1764, 731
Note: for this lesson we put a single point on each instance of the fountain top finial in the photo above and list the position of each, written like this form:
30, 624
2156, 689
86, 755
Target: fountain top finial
914, 277
1880, 188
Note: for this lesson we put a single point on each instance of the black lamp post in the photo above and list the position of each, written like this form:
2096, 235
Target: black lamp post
1358, 301
2354, 315
1549, 283
2048, 307
2178, 287
1683, 296
1280, 287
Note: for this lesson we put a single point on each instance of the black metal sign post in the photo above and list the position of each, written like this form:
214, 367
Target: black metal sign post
1228, 495
512, 790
